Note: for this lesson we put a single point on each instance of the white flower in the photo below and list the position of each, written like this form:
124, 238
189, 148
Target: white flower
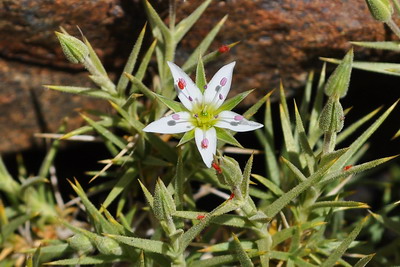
203, 113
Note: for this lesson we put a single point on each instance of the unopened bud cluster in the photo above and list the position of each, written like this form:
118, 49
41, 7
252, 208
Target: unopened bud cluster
74, 49
381, 10
332, 116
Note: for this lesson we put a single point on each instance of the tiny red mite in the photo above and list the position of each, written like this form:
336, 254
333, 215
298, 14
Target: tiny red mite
199, 217
216, 167
181, 85
348, 167
232, 196
223, 49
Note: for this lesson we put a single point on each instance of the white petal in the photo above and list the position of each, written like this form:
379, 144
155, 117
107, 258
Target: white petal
206, 152
233, 121
190, 94
175, 123
219, 86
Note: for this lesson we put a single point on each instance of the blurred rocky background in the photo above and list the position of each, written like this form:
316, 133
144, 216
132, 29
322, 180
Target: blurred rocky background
280, 39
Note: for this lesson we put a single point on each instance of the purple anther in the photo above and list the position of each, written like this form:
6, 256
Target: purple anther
190, 98
205, 86
223, 81
238, 118
196, 116
221, 96
215, 116
204, 143
176, 116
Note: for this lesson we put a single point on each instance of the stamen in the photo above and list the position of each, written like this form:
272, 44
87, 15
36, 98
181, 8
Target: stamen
223, 81
190, 98
215, 116
196, 116
238, 118
221, 96
176, 116
205, 86
204, 143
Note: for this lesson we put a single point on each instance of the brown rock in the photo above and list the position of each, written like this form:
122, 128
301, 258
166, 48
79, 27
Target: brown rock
26, 107
279, 39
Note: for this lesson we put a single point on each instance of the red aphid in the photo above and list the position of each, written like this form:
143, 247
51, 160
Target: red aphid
181, 84
216, 167
223, 49
348, 167
200, 217
232, 196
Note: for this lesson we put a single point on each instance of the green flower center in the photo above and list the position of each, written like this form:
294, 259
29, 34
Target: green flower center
204, 116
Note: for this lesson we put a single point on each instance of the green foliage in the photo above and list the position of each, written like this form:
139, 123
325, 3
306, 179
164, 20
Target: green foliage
292, 215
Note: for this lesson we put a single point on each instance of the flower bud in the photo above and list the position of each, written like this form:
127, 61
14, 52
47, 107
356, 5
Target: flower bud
81, 243
381, 10
332, 116
338, 83
74, 49
108, 246
164, 204
231, 171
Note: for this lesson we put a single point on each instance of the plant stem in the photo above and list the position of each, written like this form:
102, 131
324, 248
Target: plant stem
329, 142
393, 26
172, 14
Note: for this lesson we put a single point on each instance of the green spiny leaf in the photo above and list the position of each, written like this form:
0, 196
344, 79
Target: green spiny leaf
173, 105
244, 187
93, 92
130, 64
314, 131
298, 174
94, 58
255, 107
120, 186
145, 62
364, 261
136, 83
340, 204
341, 249
244, 259
305, 102
386, 45
227, 137
156, 22
145, 244
379, 67
184, 26
189, 135
205, 43
282, 201
98, 221
268, 184
87, 260
353, 127
356, 145
304, 143
350, 170
287, 233
105, 132
230, 103
147, 194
